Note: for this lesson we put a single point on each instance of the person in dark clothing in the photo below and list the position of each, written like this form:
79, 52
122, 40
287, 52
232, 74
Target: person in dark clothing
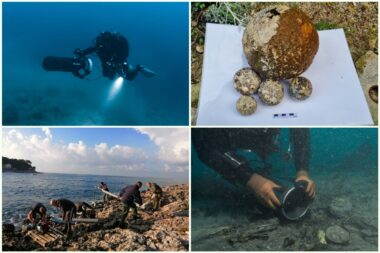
37, 208
84, 208
69, 211
156, 194
129, 196
218, 148
113, 50
104, 187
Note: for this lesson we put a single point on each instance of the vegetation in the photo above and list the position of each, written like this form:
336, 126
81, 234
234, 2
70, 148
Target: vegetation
17, 165
320, 26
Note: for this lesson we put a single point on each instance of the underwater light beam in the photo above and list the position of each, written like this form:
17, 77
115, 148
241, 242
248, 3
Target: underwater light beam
115, 88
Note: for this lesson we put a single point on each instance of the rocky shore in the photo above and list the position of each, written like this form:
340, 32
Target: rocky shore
163, 230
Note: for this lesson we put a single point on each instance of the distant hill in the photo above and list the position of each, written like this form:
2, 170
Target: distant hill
18, 165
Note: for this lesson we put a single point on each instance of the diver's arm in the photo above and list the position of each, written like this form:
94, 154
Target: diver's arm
87, 205
30, 216
302, 152
86, 51
213, 151
131, 72
300, 138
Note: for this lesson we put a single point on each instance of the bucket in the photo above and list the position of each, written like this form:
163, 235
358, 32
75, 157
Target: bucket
294, 200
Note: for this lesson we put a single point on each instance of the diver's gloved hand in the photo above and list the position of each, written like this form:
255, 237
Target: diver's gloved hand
263, 189
302, 175
139, 67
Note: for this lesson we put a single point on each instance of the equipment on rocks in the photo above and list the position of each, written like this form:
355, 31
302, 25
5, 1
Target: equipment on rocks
115, 196
109, 193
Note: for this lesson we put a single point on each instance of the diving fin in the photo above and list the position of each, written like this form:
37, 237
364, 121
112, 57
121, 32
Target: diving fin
147, 72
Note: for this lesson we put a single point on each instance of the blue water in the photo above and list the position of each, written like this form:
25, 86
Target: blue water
21, 190
158, 39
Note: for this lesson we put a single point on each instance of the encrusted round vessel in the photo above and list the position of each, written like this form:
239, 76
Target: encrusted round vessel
271, 92
246, 105
300, 88
246, 81
280, 42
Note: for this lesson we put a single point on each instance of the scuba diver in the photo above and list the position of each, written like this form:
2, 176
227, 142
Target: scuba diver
111, 48
220, 148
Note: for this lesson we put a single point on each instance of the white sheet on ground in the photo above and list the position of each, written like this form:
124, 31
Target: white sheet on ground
337, 98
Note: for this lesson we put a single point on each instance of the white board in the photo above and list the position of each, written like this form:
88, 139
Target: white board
337, 98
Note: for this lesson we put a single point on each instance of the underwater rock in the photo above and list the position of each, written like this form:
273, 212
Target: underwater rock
300, 88
246, 105
340, 207
271, 92
280, 42
246, 81
338, 235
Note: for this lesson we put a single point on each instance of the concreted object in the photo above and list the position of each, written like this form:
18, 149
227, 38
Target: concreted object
338, 235
280, 42
294, 200
246, 81
246, 105
271, 92
340, 207
300, 88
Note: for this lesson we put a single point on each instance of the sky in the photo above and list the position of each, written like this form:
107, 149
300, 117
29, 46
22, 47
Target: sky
147, 152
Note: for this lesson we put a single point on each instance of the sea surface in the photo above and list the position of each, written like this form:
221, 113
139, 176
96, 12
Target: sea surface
21, 190
344, 164
158, 39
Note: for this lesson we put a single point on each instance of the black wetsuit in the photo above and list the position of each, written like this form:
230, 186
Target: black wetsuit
131, 194
82, 206
36, 209
113, 51
105, 196
69, 211
104, 187
217, 148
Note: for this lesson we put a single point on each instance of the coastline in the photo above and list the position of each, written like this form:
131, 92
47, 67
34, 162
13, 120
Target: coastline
165, 230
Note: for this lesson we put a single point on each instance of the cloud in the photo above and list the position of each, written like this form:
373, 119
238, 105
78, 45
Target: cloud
100, 158
47, 132
77, 148
173, 144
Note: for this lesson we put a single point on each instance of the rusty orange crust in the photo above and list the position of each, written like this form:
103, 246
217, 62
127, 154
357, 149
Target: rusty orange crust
290, 51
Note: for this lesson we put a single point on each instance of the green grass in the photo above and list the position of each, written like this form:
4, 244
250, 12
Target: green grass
320, 26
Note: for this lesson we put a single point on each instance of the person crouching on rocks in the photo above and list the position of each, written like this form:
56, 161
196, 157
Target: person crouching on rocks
156, 194
69, 211
37, 208
129, 196
84, 208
